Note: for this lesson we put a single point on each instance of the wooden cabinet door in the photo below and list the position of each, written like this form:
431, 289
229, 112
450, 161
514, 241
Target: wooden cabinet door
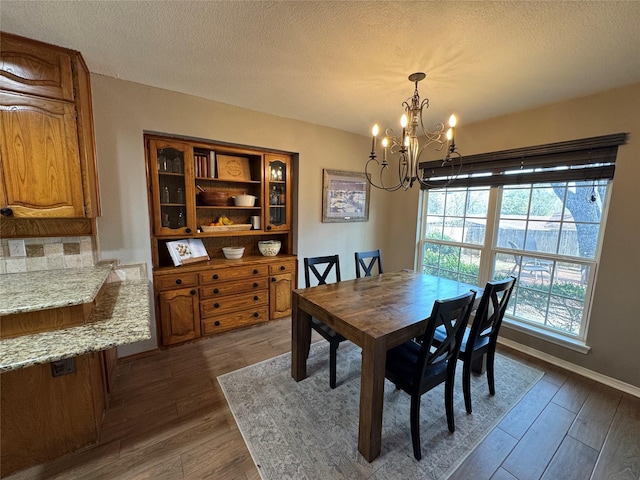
170, 167
280, 287
39, 164
179, 315
31, 67
277, 193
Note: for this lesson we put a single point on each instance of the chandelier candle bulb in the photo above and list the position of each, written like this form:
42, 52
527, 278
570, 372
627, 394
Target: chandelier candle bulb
385, 144
452, 129
374, 130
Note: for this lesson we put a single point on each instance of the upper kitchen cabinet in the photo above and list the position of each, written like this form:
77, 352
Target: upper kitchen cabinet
47, 149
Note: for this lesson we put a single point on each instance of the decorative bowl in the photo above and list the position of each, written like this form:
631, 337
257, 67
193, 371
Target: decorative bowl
233, 253
269, 248
213, 198
244, 200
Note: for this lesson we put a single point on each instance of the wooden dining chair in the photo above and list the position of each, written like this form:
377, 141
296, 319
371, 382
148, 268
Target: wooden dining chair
366, 261
321, 268
482, 336
414, 368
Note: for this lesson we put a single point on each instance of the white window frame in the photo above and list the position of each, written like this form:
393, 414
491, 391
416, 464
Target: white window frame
488, 252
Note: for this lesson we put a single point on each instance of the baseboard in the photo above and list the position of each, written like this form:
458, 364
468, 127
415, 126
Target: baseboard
585, 372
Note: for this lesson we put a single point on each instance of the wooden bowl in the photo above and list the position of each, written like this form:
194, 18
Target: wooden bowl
213, 198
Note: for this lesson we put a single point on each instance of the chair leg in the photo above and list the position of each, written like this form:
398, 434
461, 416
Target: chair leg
415, 426
333, 353
466, 385
491, 355
448, 404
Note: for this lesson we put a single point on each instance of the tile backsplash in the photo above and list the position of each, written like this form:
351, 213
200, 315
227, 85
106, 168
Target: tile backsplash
49, 253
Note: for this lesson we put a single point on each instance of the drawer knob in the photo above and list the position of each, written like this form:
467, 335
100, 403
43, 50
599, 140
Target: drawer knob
192, 292
217, 323
268, 227
255, 314
188, 230
255, 272
215, 290
282, 267
255, 285
216, 305
273, 279
215, 277
6, 212
178, 282
255, 297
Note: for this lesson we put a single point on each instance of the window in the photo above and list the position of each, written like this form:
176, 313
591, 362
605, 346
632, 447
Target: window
546, 233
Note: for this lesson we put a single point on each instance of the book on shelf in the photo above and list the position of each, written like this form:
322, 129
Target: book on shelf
212, 164
187, 251
205, 165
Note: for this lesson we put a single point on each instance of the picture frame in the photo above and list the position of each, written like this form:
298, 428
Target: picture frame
345, 196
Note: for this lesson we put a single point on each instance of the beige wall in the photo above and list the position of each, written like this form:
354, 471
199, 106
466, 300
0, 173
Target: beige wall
123, 110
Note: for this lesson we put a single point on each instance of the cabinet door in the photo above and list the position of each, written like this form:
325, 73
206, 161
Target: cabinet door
179, 315
277, 192
31, 67
170, 168
280, 287
40, 166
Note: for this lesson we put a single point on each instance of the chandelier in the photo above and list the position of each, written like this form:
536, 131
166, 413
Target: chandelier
406, 149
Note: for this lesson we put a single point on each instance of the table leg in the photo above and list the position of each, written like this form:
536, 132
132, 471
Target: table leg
374, 356
300, 340
479, 365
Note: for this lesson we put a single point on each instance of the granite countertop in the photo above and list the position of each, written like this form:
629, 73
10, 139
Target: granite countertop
121, 317
32, 291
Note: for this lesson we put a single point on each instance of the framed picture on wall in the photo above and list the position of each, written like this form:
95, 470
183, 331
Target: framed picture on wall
345, 196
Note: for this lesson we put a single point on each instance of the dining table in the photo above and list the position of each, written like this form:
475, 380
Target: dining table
376, 313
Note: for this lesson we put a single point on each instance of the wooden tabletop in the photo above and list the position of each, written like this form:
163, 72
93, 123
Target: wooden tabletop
379, 306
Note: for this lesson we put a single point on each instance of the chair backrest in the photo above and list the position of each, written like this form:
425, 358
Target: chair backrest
491, 309
365, 261
326, 263
453, 314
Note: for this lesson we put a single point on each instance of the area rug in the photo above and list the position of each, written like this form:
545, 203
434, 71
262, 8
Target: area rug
305, 430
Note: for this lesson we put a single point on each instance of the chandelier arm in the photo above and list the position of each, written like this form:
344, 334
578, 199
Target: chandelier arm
380, 186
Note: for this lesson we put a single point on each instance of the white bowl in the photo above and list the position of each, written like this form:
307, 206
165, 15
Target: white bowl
244, 200
233, 252
269, 248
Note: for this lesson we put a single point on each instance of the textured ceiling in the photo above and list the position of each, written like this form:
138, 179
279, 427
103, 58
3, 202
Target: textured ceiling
345, 64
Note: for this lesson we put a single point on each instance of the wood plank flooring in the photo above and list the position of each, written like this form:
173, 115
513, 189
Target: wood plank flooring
168, 419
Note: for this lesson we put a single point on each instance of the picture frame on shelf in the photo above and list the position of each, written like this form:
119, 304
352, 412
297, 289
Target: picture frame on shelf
345, 196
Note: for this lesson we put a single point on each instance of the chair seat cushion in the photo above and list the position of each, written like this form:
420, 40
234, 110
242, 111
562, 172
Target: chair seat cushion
440, 334
401, 365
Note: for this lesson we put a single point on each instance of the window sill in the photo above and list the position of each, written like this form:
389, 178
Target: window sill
571, 343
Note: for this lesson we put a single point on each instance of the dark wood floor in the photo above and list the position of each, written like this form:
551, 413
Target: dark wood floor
168, 419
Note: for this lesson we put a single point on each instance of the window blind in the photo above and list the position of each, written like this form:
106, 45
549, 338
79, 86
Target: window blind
583, 159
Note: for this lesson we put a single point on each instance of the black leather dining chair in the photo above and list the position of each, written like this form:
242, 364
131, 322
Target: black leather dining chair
320, 268
482, 336
366, 261
415, 367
